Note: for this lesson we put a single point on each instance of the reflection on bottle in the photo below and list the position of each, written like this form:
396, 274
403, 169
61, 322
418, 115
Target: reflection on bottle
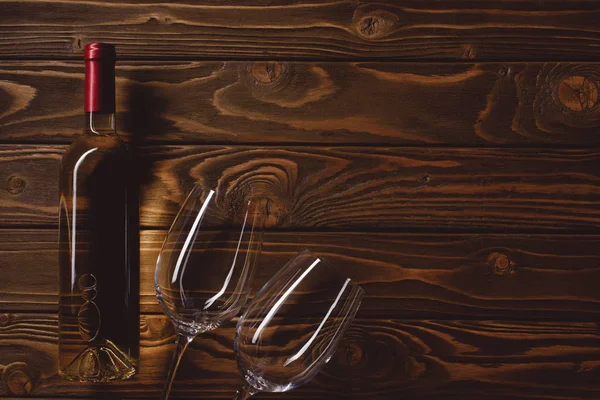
101, 360
88, 318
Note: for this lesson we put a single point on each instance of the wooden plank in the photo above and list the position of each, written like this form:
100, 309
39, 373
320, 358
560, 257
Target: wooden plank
401, 30
374, 103
350, 188
365, 188
379, 359
404, 275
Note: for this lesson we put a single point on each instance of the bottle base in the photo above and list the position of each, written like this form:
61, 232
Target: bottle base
99, 363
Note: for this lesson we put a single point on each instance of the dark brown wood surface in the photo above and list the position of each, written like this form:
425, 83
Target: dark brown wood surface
398, 30
446, 154
404, 275
379, 358
393, 188
483, 104
491, 189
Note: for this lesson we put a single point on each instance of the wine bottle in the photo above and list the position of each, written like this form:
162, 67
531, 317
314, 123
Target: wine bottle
98, 239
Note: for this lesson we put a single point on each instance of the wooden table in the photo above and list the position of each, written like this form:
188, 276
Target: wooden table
446, 153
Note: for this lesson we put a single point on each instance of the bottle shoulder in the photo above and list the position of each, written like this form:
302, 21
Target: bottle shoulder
88, 152
88, 146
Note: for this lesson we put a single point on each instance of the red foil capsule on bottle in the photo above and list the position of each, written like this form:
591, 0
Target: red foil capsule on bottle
100, 61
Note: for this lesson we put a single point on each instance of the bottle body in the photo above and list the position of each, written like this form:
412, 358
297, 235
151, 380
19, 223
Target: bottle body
99, 288
98, 256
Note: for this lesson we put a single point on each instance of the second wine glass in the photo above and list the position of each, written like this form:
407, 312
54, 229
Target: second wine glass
292, 327
206, 265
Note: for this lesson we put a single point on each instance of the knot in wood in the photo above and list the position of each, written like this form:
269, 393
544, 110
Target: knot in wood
578, 93
77, 45
4, 319
15, 185
264, 78
266, 72
160, 19
353, 354
503, 71
369, 26
469, 52
352, 351
16, 380
263, 198
376, 24
501, 264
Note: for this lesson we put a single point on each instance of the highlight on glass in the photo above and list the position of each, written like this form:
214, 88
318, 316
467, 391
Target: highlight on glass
292, 327
206, 266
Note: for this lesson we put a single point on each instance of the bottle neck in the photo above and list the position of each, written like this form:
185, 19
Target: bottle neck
100, 95
100, 123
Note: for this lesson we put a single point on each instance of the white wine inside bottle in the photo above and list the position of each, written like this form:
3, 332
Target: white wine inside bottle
98, 240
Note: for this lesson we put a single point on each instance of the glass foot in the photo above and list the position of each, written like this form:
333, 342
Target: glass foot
99, 363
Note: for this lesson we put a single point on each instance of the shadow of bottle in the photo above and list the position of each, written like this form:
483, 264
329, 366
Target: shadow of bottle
140, 121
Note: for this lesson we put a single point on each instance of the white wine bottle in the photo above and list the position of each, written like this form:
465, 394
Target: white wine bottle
98, 239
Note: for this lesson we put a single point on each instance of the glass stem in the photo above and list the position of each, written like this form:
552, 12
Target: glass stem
245, 392
182, 343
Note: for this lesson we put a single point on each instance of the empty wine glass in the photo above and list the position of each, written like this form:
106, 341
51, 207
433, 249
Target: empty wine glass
206, 265
293, 325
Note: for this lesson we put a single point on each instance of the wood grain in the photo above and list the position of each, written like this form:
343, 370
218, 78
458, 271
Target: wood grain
29, 179
393, 188
379, 359
341, 187
276, 102
404, 275
444, 154
387, 188
405, 30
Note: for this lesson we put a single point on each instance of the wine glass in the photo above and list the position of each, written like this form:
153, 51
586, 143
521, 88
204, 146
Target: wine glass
293, 325
206, 265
